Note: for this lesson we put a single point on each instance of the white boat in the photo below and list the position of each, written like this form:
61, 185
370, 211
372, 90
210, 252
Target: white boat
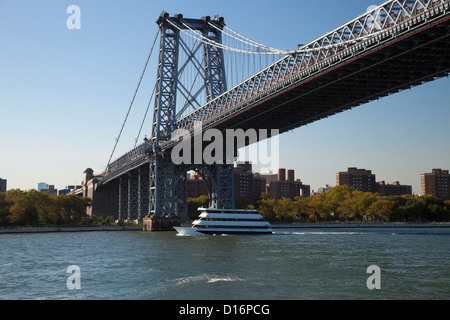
227, 221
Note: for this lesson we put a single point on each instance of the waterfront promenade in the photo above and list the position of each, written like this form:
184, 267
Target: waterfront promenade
69, 229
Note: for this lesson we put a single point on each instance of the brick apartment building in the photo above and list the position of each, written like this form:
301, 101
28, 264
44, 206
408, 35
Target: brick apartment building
247, 184
286, 188
196, 186
364, 180
436, 183
360, 179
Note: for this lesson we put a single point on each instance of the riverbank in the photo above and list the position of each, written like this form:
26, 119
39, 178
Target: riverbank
274, 226
69, 229
359, 225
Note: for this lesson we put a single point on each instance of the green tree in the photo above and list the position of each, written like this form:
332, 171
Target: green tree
382, 209
284, 209
23, 210
4, 210
33, 208
361, 203
194, 204
73, 208
434, 209
317, 208
241, 202
266, 208
301, 207
334, 200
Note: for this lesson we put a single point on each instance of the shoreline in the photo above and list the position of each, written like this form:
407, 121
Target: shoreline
68, 229
358, 225
275, 225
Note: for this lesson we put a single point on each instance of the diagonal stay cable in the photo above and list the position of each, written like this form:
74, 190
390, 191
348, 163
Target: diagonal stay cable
132, 101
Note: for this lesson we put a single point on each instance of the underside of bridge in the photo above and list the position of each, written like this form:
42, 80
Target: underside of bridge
401, 64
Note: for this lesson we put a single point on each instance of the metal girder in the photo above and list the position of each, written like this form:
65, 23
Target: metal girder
214, 66
168, 191
166, 83
132, 193
168, 195
123, 197
222, 186
143, 191
162, 187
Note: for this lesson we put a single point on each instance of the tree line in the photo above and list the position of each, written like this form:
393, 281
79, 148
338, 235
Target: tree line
345, 204
34, 208
342, 204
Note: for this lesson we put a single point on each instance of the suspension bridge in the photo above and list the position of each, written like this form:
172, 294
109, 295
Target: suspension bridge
392, 47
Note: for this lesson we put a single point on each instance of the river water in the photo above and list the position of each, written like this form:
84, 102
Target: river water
290, 264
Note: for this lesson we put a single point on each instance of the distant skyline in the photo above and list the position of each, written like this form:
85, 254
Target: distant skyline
64, 92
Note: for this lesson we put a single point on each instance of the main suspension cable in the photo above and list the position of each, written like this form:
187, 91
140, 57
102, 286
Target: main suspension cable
250, 42
205, 40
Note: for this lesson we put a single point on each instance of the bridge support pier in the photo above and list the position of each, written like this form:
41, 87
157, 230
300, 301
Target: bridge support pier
160, 223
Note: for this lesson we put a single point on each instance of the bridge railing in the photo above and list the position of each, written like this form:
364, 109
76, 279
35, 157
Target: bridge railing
302, 61
135, 154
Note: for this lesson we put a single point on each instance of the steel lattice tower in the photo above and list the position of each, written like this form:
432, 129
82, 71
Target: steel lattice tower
168, 185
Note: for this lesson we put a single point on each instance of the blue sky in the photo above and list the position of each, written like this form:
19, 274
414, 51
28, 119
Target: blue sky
64, 93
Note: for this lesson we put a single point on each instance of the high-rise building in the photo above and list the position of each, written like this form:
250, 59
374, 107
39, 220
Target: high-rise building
289, 188
281, 174
436, 183
247, 184
3, 185
196, 186
364, 180
359, 179
290, 175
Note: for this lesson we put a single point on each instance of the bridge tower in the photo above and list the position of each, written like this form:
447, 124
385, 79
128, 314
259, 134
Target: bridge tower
168, 184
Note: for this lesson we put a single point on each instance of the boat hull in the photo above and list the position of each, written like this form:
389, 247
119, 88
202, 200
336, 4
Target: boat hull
227, 221
190, 231
249, 232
